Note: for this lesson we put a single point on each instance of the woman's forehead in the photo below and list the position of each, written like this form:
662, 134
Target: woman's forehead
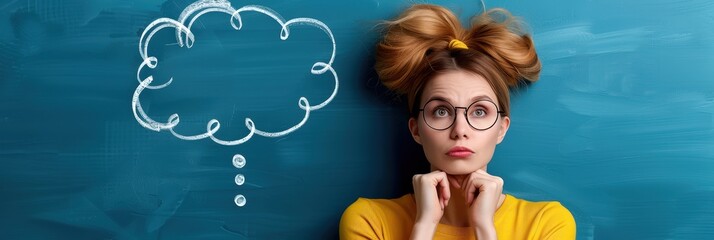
457, 86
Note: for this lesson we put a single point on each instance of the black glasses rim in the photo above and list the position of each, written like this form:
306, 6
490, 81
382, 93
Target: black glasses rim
453, 120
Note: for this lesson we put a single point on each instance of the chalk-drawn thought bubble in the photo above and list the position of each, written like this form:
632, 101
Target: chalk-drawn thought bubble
184, 37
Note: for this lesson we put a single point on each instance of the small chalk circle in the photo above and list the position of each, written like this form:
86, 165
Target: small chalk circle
238, 161
239, 200
240, 179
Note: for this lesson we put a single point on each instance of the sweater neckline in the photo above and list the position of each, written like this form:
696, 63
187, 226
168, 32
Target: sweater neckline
450, 230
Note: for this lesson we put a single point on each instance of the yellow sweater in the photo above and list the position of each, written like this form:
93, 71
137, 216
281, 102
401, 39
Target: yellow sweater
515, 219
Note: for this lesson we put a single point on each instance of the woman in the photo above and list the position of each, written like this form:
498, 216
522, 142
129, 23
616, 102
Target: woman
456, 81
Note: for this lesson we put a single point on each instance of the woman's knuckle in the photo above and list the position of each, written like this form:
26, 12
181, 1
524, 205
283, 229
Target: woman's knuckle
499, 180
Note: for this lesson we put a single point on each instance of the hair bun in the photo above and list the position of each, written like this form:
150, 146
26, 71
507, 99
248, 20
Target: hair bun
408, 39
501, 36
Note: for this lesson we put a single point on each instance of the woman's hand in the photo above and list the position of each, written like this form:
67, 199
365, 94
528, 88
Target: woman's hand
483, 193
431, 192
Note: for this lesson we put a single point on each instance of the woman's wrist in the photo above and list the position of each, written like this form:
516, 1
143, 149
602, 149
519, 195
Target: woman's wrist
485, 231
423, 230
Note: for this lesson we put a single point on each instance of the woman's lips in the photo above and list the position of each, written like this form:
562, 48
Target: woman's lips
460, 152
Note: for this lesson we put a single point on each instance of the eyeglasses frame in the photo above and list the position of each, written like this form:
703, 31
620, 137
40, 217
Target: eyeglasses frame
423, 116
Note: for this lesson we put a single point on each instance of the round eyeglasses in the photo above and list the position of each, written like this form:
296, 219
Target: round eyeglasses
440, 114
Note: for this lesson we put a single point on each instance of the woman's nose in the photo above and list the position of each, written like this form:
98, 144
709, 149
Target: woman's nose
461, 127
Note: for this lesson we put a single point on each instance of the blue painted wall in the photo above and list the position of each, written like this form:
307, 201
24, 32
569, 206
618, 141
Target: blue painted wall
620, 127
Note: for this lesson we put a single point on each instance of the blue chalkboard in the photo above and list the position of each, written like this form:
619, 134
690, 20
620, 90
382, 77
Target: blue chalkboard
265, 119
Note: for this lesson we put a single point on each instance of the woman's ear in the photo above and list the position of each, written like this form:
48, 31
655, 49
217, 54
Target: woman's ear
505, 123
414, 129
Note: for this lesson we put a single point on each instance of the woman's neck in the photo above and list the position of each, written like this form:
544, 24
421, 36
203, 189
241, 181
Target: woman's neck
457, 212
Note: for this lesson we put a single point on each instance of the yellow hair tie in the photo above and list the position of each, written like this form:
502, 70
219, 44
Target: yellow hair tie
456, 44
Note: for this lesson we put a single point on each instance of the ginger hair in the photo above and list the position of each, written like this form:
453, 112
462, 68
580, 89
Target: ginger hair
415, 48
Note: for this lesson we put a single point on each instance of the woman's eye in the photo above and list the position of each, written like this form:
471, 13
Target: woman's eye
441, 112
479, 113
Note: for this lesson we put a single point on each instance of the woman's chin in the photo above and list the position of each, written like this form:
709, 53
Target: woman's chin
455, 170
459, 167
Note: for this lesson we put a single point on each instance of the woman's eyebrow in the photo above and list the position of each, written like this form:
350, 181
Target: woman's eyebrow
473, 99
481, 97
439, 97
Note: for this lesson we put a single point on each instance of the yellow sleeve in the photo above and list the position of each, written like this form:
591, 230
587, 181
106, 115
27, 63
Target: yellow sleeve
360, 222
557, 223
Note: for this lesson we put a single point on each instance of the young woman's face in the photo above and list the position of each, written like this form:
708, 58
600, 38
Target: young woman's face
459, 148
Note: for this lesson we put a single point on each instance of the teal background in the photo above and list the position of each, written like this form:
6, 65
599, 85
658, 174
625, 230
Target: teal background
619, 128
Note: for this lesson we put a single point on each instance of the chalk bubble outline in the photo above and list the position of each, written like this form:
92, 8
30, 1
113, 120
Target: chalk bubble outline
184, 36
